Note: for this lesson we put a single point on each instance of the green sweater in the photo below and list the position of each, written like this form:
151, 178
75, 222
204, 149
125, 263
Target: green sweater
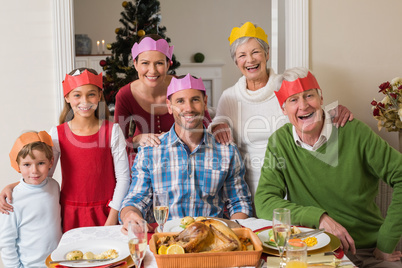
340, 178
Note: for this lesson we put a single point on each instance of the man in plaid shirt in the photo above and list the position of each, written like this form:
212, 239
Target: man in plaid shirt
201, 176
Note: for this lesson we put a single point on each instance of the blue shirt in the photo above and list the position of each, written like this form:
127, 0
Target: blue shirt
200, 183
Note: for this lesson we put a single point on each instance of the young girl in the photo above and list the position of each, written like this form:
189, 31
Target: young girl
92, 153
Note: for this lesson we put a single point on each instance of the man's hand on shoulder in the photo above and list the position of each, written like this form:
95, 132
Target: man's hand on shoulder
340, 115
333, 227
222, 133
394, 256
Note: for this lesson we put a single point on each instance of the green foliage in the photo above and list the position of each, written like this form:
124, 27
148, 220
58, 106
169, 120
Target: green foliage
137, 15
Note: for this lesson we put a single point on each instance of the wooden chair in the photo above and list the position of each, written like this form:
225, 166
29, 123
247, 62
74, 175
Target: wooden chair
383, 200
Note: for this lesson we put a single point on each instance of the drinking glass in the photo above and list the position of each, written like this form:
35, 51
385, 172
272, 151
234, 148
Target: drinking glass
296, 255
281, 229
137, 240
161, 208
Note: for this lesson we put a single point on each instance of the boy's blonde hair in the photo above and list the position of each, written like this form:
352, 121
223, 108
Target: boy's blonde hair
101, 112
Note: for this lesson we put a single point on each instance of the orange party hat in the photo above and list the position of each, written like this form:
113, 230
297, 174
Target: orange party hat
25, 139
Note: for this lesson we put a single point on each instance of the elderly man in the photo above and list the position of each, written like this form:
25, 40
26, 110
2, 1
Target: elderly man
200, 175
331, 175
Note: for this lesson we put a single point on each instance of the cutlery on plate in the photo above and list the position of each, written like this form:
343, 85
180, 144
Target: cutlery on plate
82, 260
238, 223
306, 234
334, 262
117, 264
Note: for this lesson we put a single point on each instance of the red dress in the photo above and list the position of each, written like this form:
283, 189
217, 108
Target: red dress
88, 178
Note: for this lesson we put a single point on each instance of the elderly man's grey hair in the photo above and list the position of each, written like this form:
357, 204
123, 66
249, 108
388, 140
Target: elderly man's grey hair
290, 75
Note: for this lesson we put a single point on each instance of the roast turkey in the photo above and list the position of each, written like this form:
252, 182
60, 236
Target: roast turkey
207, 236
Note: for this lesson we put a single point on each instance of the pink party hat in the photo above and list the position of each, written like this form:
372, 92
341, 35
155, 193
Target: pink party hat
290, 88
187, 82
148, 43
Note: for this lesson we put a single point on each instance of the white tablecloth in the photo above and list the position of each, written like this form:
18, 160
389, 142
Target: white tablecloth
114, 233
101, 233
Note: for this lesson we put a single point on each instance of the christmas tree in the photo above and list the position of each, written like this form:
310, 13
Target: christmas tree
140, 17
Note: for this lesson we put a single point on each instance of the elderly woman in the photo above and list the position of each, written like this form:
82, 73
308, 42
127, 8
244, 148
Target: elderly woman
248, 112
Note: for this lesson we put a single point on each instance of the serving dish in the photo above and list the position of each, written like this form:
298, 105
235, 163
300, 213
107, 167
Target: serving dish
210, 260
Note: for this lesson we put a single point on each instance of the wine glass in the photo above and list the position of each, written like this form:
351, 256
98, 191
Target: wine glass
137, 240
281, 229
161, 208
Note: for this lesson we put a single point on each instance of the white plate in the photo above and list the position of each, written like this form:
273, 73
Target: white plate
96, 247
174, 225
322, 239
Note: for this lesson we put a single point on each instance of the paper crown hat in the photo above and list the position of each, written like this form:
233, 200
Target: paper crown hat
25, 139
80, 79
148, 43
289, 88
187, 82
247, 29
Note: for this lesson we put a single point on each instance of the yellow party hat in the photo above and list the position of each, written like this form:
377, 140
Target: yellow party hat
247, 29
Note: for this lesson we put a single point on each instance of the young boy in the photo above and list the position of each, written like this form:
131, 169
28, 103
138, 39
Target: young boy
33, 230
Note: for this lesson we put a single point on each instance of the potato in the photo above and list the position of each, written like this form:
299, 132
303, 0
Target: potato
89, 256
200, 218
295, 230
250, 247
111, 254
187, 220
74, 255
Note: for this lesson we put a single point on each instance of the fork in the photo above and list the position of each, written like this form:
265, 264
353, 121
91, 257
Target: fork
309, 233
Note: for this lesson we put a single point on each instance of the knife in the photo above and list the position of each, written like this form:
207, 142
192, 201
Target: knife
337, 263
82, 260
116, 264
306, 234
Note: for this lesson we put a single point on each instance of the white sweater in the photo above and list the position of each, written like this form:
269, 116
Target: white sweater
30, 233
253, 117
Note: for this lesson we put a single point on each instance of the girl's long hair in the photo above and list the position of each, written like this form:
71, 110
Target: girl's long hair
101, 112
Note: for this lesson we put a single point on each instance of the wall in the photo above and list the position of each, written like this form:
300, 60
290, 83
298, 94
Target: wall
204, 26
192, 25
26, 75
355, 46
98, 19
350, 62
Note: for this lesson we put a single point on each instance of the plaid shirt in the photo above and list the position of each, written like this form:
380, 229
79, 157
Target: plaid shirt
200, 183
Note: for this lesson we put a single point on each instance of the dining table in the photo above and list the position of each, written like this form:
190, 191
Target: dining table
82, 235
